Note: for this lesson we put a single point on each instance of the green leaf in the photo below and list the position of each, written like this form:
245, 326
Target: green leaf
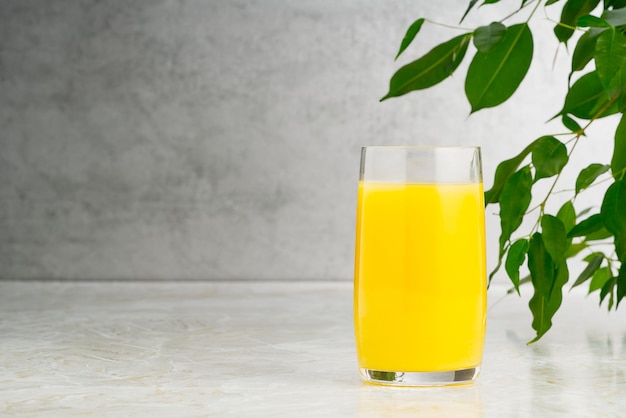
588, 175
615, 17
574, 249
618, 160
571, 124
621, 285
610, 56
606, 106
589, 225
514, 260
431, 69
607, 289
617, 89
616, 4
515, 198
554, 237
620, 248
598, 235
591, 268
567, 215
549, 2
493, 76
486, 37
591, 256
613, 208
587, 21
586, 97
571, 12
599, 278
585, 49
504, 171
540, 265
549, 156
514, 201
469, 7
411, 33
544, 308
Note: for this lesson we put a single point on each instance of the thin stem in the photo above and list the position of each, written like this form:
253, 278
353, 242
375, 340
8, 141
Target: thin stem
559, 23
534, 10
573, 139
566, 134
520, 9
531, 210
445, 25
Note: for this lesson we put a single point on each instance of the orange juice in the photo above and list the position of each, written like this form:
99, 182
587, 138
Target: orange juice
420, 276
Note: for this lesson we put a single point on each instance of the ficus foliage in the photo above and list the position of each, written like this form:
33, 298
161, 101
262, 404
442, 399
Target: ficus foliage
501, 54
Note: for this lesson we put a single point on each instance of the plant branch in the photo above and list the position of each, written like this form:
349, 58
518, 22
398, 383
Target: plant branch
550, 156
575, 139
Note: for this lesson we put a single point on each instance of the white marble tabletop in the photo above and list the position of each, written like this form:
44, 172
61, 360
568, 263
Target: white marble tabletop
256, 349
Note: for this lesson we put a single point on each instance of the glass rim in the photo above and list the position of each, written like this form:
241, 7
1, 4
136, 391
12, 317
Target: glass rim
423, 147
446, 164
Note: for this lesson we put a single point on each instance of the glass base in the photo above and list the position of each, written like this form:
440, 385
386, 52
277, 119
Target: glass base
454, 377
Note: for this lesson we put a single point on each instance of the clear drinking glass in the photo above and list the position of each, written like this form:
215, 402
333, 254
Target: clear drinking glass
420, 272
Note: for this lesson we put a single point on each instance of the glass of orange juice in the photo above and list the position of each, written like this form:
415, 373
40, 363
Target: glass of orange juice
420, 272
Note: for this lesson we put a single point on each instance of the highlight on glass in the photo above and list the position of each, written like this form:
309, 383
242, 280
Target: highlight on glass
420, 270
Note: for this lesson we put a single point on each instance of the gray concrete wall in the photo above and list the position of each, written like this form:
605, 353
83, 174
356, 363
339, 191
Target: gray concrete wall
216, 139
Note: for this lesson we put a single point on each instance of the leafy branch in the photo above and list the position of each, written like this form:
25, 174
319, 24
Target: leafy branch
502, 55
